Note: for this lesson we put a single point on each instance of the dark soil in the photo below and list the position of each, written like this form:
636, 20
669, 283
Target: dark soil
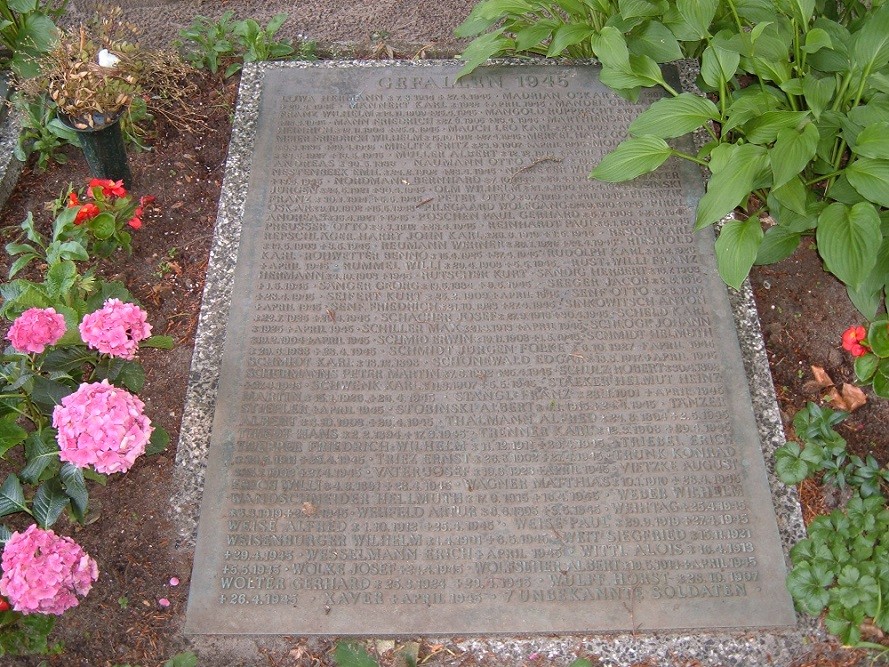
803, 311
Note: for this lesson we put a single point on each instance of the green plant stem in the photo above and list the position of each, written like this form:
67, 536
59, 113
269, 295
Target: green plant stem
711, 132
841, 93
669, 89
832, 174
731, 5
691, 158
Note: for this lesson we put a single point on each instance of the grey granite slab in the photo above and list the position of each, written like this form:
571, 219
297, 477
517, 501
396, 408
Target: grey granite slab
465, 389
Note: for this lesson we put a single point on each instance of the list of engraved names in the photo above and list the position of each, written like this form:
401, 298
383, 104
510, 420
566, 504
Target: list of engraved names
472, 379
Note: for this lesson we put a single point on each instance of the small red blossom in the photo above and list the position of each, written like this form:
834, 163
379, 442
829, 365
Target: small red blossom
4, 605
87, 212
852, 341
136, 222
73, 200
109, 188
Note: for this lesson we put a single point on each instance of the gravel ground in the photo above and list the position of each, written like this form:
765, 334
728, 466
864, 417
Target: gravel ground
422, 22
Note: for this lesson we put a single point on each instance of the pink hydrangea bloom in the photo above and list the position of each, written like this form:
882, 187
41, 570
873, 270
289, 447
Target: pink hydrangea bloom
44, 573
36, 328
101, 426
116, 329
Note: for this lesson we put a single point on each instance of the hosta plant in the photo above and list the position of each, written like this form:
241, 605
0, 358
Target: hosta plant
797, 115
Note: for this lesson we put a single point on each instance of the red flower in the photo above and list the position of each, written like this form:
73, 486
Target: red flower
4, 605
852, 338
109, 188
73, 200
146, 200
87, 212
136, 222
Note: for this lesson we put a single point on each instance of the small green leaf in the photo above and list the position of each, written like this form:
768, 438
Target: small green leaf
12, 496
731, 185
102, 226
60, 279
870, 45
718, 65
157, 442
878, 338
777, 244
610, 48
873, 141
184, 659
568, 35
764, 129
656, 41
74, 251
791, 469
748, 105
581, 662
49, 502
534, 36
75, 488
633, 157
64, 222
817, 39
42, 451
641, 71
630, 9
11, 434
793, 197
818, 93
807, 584
794, 148
698, 14
348, 654
881, 379
482, 48
674, 116
736, 249
848, 240
778, 71
48, 393
20, 263
871, 178
159, 342
866, 366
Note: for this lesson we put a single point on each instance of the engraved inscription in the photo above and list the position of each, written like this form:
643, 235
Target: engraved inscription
470, 378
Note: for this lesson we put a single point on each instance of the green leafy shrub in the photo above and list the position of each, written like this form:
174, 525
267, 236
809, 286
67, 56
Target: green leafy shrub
824, 452
27, 635
797, 114
28, 32
843, 566
209, 44
42, 133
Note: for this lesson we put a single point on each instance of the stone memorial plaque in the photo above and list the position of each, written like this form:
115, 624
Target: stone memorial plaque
467, 390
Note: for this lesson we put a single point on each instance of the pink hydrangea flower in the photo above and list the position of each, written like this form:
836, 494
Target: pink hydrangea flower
101, 426
36, 328
44, 573
116, 329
